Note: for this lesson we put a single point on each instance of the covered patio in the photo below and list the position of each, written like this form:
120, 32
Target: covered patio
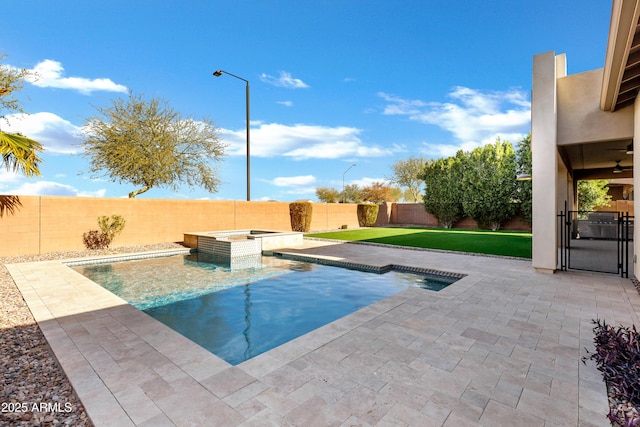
583, 126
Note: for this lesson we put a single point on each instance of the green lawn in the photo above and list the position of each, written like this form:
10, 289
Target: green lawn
508, 243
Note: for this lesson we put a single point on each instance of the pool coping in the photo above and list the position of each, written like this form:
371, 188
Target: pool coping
364, 267
106, 259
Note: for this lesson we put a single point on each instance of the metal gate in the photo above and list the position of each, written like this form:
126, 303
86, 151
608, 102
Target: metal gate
596, 241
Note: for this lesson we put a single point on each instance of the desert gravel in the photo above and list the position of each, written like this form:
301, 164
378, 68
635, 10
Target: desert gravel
35, 391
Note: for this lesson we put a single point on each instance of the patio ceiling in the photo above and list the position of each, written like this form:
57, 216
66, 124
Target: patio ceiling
631, 76
622, 63
598, 160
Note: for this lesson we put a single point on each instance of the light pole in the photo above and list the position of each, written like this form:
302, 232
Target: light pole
218, 74
345, 172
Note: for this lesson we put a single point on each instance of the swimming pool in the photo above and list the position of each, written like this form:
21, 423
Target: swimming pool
240, 313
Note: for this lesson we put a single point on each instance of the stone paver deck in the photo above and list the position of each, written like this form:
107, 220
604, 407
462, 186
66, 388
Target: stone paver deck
502, 346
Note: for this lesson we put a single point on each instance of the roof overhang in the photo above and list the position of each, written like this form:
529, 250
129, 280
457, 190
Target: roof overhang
621, 79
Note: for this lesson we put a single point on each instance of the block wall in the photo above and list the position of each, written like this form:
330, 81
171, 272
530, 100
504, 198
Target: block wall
44, 224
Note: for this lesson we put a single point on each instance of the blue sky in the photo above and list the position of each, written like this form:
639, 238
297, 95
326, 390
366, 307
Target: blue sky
333, 82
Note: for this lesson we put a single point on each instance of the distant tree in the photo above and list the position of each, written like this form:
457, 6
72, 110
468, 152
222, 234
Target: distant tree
397, 194
489, 184
327, 195
443, 189
351, 194
406, 173
593, 194
379, 193
19, 153
524, 191
407, 196
149, 144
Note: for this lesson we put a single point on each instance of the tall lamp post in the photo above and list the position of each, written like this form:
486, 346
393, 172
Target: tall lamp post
218, 74
345, 172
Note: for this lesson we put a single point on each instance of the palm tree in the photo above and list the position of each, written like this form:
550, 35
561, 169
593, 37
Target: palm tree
20, 154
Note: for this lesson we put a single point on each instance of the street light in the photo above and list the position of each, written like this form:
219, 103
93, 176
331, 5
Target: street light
218, 74
345, 172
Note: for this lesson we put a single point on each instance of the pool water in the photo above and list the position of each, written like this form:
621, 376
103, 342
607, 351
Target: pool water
154, 282
238, 314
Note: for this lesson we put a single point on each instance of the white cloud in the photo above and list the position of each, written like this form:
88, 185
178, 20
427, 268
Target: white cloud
301, 141
445, 150
400, 106
48, 73
48, 188
285, 80
337, 150
473, 117
8, 177
366, 182
56, 134
285, 103
293, 181
302, 191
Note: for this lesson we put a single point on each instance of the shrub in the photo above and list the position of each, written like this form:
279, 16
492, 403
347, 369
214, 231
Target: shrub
95, 239
488, 184
617, 357
367, 214
443, 189
109, 227
300, 213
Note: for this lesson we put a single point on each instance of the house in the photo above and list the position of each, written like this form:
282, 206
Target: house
583, 126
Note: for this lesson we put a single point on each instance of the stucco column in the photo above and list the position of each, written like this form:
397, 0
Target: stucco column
636, 181
546, 68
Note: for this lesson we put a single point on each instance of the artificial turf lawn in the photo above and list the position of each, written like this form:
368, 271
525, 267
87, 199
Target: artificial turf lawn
507, 243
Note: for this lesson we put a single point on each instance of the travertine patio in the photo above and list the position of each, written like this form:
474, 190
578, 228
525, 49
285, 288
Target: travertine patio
502, 346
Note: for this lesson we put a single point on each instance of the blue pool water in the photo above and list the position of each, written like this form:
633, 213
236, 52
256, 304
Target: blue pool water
238, 314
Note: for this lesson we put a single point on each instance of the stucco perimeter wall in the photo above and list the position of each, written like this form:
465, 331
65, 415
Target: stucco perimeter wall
44, 224
411, 213
580, 118
414, 214
49, 223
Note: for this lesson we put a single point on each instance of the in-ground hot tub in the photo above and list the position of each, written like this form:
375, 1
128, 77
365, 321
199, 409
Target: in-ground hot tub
228, 244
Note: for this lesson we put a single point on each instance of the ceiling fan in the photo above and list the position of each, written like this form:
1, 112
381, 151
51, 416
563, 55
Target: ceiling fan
628, 149
619, 169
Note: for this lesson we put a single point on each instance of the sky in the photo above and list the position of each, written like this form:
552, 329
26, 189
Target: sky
333, 83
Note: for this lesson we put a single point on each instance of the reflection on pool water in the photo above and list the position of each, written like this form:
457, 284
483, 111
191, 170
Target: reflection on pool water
240, 313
